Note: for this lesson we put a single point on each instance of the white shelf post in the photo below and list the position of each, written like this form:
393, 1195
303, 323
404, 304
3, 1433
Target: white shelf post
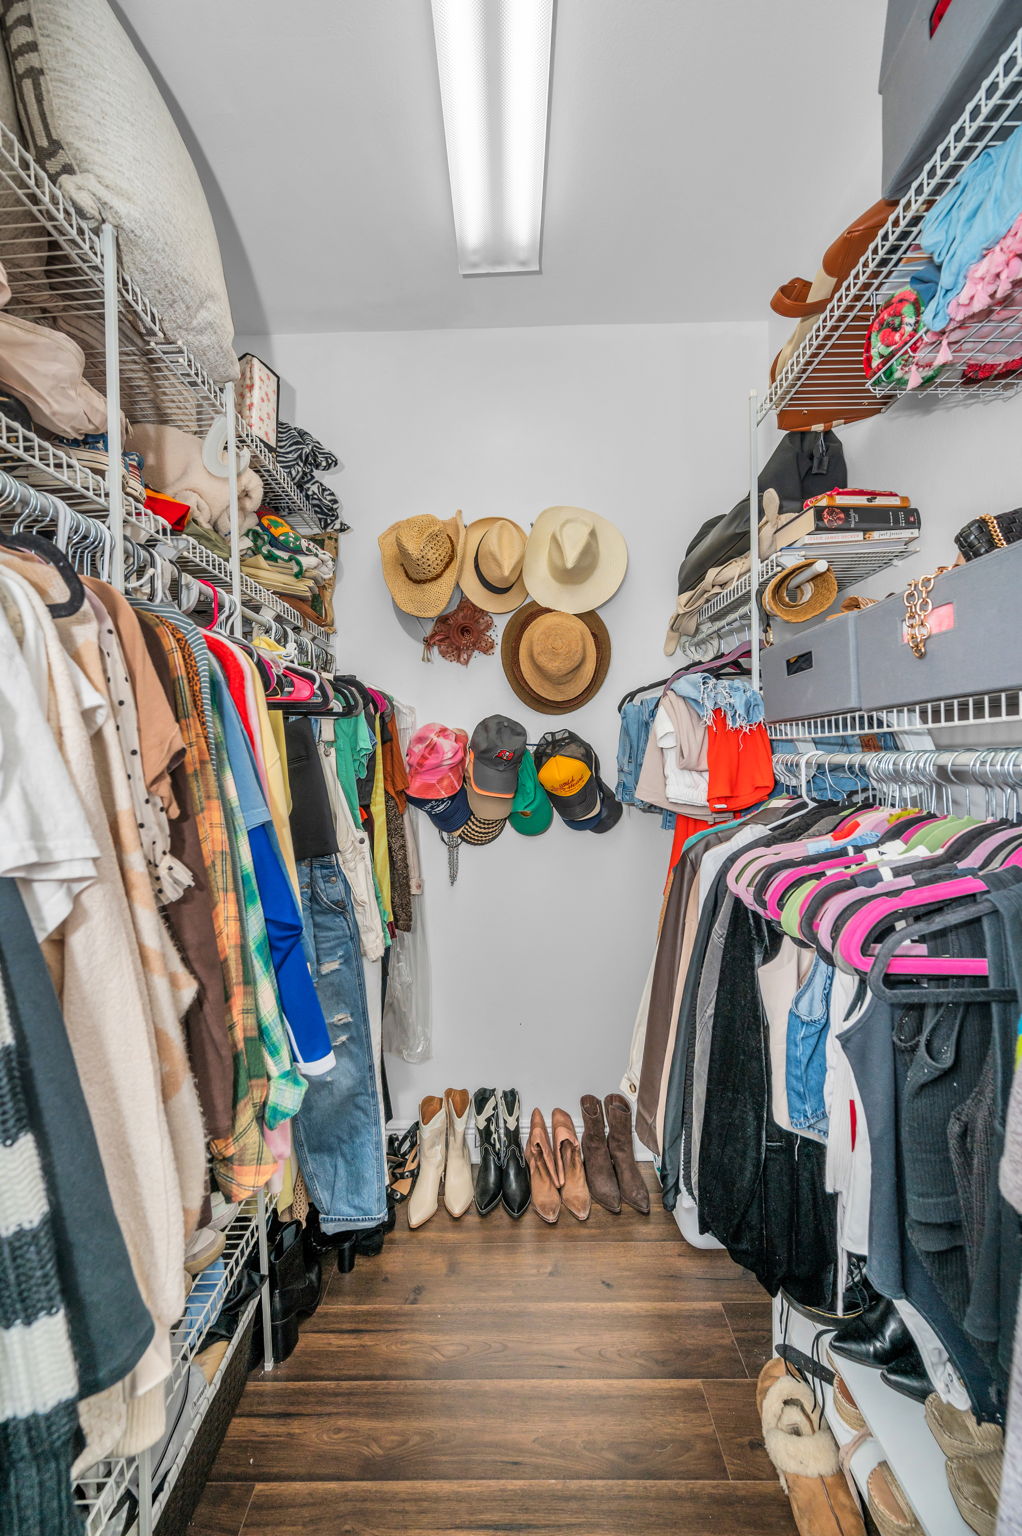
754, 625
232, 486
115, 468
264, 1269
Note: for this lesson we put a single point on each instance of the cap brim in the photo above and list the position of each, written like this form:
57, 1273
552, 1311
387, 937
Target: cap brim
608, 814
485, 779
489, 807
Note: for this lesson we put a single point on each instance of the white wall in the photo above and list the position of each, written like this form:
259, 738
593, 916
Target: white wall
540, 950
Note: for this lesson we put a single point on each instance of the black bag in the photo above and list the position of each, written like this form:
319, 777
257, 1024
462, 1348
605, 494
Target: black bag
803, 465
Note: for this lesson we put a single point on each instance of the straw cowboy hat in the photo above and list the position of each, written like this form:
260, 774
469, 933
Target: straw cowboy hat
421, 557
491, 565
574, 560
555, 662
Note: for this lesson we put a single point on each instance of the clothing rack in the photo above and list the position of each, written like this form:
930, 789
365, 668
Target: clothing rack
934, 775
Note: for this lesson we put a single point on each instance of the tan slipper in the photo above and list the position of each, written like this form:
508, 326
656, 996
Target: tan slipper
570, 1173
888, 1505
805, 1454
774, 1369
539, 1154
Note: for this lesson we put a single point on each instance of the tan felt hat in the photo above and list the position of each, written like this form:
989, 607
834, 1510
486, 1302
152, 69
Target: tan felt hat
421, 558
574, 560
555, 662
491, 564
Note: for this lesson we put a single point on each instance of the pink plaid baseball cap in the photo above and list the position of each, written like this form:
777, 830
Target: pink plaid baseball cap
436, 761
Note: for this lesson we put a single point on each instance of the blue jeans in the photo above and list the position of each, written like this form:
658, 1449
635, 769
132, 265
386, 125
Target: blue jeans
806, 1061
338, 1131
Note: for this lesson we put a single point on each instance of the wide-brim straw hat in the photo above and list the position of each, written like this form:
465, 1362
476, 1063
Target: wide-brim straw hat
554, 661
491, 564
574, 560
421, 560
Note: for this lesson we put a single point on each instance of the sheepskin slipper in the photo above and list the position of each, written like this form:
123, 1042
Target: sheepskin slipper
805, 1453
774, 1370
888, 1504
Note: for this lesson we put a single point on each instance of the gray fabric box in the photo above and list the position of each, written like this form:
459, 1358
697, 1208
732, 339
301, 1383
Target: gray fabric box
926, 82
811, 669
975, 645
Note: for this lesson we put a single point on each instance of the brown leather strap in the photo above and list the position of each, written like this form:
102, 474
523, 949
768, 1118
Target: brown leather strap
792, 300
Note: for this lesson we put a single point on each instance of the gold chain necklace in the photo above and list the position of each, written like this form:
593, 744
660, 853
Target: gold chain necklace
918, 607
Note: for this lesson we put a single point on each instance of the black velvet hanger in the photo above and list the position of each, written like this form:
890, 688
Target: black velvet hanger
46, 549
721, 666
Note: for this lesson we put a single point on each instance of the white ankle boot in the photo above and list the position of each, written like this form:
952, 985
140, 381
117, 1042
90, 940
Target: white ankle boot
458, 1188
425, 1197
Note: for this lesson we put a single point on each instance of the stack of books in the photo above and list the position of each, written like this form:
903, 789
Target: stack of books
852, 517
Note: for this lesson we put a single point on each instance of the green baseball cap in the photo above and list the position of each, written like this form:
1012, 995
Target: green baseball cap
531, 810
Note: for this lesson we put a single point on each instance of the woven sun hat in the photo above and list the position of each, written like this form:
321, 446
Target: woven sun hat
491, 564
555, 662
805, 602
574, 560
421, 557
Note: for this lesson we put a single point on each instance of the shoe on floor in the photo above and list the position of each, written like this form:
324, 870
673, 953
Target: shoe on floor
599, 1168
975, 1483
425, 1197
805, 1454
888, 1505
490, 1175
546, 1196
571, 1174
846, 1407
515, 1185
204, 1249
458, 1189
403, 1162
774, 1369
622, 1151
958, 1432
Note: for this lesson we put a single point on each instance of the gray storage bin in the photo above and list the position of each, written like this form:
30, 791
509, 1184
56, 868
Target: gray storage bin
811, 669
975, 645
926, 82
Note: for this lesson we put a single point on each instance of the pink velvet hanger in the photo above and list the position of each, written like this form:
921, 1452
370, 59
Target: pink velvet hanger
858, 929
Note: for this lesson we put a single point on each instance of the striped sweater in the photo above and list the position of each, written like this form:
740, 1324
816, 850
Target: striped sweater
38, 1380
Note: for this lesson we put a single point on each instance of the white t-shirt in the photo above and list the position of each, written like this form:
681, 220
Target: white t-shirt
45, 841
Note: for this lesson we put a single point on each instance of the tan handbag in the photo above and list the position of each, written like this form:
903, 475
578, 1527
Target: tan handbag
44, 369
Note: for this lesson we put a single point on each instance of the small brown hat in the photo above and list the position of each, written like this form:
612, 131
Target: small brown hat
421, 557
555, 662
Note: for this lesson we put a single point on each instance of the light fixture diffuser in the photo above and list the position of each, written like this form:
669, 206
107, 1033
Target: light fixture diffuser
493, 58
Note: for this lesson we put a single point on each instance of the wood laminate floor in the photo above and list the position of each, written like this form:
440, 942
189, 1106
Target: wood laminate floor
591, 1379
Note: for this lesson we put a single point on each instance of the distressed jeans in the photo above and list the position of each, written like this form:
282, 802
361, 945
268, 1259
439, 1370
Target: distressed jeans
338, 1131
808, 1025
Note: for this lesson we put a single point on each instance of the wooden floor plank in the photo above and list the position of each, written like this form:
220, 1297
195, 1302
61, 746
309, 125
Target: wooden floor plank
222, 1509
732, 1407
751, 1324
383, 1431
494, 1508
410, 1273
592, 1341
499, 1228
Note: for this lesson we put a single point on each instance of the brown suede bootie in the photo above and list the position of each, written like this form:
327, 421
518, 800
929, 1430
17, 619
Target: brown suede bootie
619, 1138
600, 1175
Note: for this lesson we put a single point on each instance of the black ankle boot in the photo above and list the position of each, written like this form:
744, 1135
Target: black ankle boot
296, 1284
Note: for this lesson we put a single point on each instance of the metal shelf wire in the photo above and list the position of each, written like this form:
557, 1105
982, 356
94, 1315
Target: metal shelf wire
825, 380
54, 265
850, 563
49, 468
100, 1492
1004, 708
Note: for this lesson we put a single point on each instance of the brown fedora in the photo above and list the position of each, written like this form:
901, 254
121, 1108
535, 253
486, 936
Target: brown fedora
555, 662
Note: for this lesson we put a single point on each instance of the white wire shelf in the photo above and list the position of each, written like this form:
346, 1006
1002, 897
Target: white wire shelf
49, 468
99, 1493
932, 715
55, 269
825, 380
850, 563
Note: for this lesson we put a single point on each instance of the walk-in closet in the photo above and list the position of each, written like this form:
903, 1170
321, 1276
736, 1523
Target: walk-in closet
510, 768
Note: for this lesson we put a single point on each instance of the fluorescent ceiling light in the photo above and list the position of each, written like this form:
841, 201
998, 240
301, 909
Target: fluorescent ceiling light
494, 62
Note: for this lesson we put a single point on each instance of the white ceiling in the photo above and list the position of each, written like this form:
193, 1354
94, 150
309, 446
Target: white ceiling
701, 152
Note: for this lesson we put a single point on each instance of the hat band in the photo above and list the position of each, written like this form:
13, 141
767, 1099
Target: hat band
497, 591
422, 581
